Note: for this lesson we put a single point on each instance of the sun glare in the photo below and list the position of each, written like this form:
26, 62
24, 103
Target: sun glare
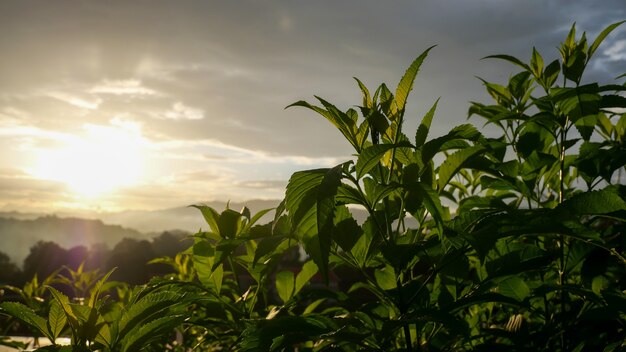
102, 160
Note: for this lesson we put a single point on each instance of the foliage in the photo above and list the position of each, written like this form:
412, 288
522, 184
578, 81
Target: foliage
471, 242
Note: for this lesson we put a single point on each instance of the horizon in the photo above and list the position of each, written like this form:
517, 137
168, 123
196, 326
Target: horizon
120, 107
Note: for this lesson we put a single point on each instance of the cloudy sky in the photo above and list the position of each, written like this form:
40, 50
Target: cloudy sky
113, 105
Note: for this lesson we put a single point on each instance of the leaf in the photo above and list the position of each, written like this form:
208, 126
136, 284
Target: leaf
434, 146
325, 216
204, 263
347, 231
340, 120
64, 302
406, 83
509, 58
596, 43
310, 198
309, 269
386, 278
27, 315
104, 336
95, 291
228, 223
142, 335
266, 246
367, 99
551, 73
146, 309
536, 63
599, 202
424, 127
431, 201
370, 156
514, 287
257, 217
285, 284
56, 319
455, 162
210, 216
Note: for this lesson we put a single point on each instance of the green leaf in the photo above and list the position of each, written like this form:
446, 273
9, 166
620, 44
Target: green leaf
406, 83
203, 263
347, 231
27, 315
424, 127
370, 156
600, 38
430, 199
95, 291
455, 162
142, 335
386, 278
309, 269
210, 216
310, 198
266, 246
367, 99
339, 119
551, 73
228, 223
599, 202
509, 58
104, 336
285, 283
536, 63
257, 217
434, 146
325, 216
146, 309
514, 287
64, 302
56, 319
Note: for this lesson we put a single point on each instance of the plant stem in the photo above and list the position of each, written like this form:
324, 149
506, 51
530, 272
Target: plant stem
562, 243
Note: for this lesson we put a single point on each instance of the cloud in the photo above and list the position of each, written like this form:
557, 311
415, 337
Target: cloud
130, 87
76, 101
617, 51
263, 184
180, 111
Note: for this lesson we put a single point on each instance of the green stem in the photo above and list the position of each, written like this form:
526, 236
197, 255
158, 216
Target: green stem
562, 242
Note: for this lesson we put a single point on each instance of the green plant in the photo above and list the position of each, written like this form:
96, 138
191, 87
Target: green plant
529, 253
527, 259
567, 241
150, 314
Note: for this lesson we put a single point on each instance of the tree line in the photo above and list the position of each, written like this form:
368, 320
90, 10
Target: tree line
130, 256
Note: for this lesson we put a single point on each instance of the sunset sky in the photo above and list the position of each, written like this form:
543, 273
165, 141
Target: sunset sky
116, 105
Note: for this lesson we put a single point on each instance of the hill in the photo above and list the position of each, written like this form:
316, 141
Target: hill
19, 235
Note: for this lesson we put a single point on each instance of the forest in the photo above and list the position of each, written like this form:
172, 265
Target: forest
472, 242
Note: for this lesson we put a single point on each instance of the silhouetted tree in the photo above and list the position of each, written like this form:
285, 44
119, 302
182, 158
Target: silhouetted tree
169, 244
131, 256
44, 258
76, 256
9, 272
99, 254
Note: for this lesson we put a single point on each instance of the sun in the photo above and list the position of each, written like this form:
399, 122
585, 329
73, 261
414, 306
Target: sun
102, 160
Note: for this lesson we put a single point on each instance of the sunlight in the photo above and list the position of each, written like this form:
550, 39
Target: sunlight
104, 159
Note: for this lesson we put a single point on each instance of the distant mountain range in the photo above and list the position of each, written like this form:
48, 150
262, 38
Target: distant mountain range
20, 231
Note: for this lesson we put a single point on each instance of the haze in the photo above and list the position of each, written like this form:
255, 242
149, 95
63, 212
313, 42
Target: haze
123, 105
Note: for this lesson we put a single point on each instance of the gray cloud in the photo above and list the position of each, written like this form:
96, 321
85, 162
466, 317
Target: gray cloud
199, 71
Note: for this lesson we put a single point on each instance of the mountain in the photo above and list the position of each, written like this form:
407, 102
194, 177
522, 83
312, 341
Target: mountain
20, 231
181, 218
18, 235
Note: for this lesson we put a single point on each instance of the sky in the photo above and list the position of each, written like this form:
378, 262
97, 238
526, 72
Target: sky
141, 105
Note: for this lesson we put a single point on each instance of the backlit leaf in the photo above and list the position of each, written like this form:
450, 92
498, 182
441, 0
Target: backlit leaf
406, 83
